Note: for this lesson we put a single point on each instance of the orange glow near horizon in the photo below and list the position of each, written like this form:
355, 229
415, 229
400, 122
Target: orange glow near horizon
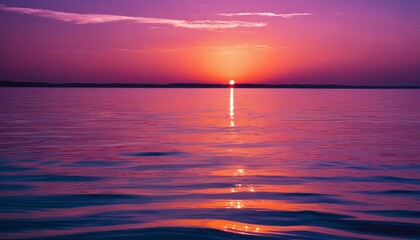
213, 63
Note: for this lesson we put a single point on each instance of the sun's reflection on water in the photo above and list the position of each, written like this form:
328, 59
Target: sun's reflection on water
241, 228
232, 107
240, 186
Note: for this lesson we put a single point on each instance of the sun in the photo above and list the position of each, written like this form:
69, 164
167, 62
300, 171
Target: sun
232, 82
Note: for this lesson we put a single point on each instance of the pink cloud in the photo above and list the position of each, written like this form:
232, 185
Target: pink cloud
266, 14
105, 18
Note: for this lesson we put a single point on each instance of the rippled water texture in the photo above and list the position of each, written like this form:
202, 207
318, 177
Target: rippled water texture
209, 164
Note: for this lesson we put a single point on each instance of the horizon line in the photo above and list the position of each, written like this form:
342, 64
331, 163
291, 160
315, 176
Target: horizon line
197, 85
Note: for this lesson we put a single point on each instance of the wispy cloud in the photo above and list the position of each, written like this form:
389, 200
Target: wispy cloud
78, 18
212, 49
266, 14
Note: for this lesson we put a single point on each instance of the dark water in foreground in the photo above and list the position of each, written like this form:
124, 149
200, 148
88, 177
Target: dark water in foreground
204, 164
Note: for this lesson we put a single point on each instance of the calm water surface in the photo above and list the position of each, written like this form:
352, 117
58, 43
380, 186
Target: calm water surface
209, 164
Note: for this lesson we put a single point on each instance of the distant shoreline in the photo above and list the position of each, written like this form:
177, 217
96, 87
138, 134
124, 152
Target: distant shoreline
191, 85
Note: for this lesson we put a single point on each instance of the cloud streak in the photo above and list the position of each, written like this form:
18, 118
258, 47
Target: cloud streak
212, 49
266, 14
78, 18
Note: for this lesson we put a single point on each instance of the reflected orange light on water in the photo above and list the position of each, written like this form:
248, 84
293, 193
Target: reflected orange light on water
242, 228
241, 186
239, 172
236, 204
228, 226
232, 105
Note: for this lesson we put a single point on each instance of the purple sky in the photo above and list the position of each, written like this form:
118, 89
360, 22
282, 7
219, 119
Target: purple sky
359, 42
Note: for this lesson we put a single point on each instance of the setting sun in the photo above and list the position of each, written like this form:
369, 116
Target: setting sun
232, 82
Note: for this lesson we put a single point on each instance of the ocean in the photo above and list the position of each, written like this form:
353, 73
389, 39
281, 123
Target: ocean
98, 163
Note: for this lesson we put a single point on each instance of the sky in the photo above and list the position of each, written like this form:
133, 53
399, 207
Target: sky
358, 42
